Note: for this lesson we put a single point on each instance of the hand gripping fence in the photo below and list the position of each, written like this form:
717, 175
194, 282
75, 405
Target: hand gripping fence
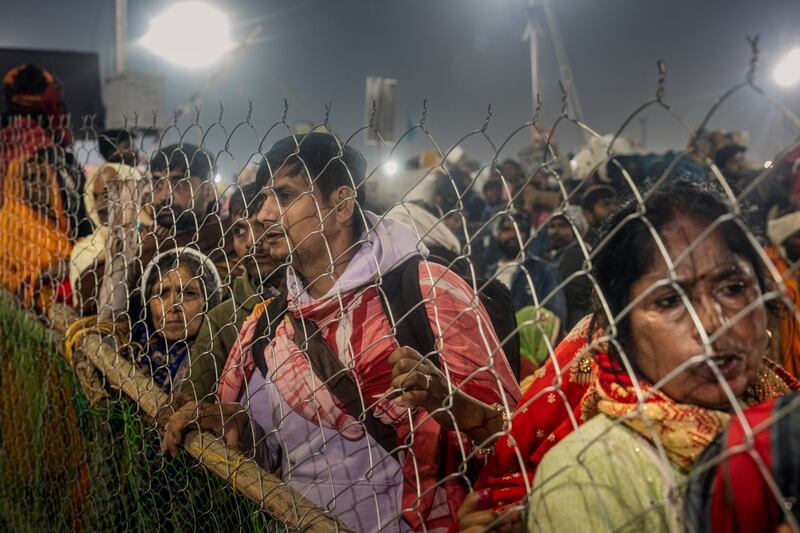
230, 327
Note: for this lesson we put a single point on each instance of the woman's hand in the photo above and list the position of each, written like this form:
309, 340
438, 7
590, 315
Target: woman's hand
421, 384
228, 420
476, 515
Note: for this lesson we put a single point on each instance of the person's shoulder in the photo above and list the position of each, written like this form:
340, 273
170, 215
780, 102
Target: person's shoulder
222, 313
596, 439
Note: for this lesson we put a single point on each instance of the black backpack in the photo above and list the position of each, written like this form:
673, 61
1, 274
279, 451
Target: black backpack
402, 300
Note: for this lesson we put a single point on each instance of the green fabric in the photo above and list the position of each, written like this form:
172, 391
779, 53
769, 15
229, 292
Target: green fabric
216, 337
605, 477
66, 465
535, 325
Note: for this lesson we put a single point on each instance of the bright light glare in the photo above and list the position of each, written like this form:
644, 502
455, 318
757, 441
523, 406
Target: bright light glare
767, 164
190, 34
218, 178
787, 71
391, 168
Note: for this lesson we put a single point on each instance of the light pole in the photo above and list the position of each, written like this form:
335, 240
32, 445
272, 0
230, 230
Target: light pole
121, 36
565, 70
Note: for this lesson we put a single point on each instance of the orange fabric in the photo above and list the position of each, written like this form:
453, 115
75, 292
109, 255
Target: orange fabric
789, 325
31, 238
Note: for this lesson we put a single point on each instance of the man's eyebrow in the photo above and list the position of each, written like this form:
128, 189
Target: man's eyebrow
283, 187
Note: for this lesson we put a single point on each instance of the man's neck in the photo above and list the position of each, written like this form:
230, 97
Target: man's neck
319, 277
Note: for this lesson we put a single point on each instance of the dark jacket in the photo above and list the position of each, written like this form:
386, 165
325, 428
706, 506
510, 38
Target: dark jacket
217, 335
539, 276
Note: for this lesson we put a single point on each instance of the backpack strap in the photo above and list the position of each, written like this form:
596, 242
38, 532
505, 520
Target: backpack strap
402, 301
325, 364
340, 382
267, 322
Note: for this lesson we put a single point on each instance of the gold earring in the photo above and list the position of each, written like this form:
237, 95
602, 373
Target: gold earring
769, 338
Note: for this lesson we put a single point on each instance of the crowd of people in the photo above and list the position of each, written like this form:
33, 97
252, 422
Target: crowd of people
608, 349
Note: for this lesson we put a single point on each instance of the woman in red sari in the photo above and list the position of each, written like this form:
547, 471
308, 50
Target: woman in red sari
673, 390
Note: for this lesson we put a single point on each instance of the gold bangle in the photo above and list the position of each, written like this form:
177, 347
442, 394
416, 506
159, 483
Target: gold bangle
501, 410
486, 451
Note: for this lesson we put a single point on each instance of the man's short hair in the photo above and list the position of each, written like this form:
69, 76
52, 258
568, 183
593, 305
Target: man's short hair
513, 163
326, 163
596, 194
490, 185
519, 219
184, 158
245, 201
109, 141
726, 153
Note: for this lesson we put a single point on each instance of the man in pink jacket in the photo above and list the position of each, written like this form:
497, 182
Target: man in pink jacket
319, 390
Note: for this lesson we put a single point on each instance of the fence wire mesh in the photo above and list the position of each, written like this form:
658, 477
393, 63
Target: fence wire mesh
608, 341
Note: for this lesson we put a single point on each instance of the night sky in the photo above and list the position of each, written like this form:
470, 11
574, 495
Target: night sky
460, 55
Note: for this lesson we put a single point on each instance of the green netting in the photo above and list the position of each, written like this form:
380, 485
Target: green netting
69, 466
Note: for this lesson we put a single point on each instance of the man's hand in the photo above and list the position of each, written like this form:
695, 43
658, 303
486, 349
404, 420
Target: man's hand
422, 384
179, 399
228, 420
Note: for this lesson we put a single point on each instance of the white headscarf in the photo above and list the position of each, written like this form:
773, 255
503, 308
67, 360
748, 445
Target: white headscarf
91, 249
208, 274
429, 228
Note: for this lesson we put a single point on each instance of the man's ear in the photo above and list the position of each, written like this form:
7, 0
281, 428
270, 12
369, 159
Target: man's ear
343, 201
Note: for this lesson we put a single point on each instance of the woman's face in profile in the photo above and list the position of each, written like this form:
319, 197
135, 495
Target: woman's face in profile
721, 297
176, 305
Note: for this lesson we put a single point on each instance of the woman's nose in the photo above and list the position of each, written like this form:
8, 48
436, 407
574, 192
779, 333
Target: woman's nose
710, 313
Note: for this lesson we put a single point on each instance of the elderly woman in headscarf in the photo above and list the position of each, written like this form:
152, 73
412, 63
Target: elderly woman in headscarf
90, 251
178, 287
617, 418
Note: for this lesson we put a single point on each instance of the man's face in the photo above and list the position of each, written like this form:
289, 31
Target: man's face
124, 153
560, 232
508, 241
600, 211
179, 200
513, 175
493, 195
250, 245
735, 165
295, 219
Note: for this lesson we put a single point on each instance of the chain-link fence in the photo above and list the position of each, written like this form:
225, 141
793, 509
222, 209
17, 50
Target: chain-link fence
604, 340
